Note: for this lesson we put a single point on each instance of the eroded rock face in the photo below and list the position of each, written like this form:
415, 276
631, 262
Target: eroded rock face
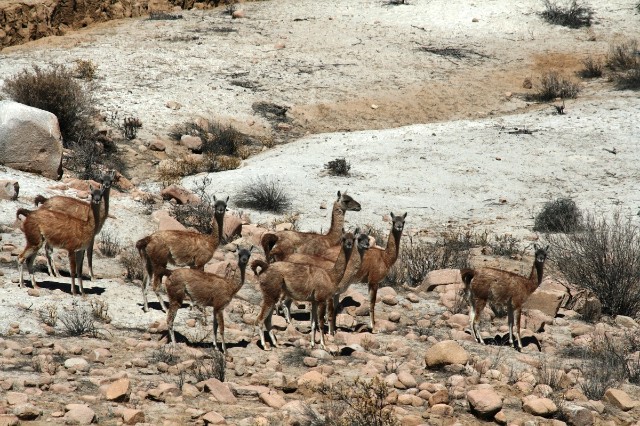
30, 140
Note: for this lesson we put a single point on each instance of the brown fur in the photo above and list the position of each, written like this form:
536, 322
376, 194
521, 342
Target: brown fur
78, 209
279, 245
180, 248
299, 282
205, 289
62, 231
484, 285
377, 262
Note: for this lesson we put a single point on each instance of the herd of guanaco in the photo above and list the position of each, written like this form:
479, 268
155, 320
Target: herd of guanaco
297, 266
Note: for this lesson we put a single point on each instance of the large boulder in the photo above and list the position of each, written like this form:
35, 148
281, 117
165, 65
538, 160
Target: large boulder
30, 140
445, 353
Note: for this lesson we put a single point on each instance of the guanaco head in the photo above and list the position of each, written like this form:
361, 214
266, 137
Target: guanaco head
346, 203
107, 180
243, 257
347, 241
219, 206
362, 241
398, 222
96, 194
541, 253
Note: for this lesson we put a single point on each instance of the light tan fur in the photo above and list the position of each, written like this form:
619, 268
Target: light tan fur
81, 210
205, 289
62, 231
279, 245
299, 282
484, 285
376, 265
180, 248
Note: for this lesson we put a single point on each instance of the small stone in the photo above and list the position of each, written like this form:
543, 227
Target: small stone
272, 400
27, 412
118, 390
132, 416
310, 361
213, 418
445, 353
484, 402
78, 364
17, 398
237, 14
543, 407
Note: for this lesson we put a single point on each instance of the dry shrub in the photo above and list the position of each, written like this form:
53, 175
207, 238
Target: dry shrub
417, 258
217, 139
604, 257
130, 260
100, 310
560, 215
212, 365
55, 90
158, 15
605, 364
109, 244
167, 354
505, 245
574, 15
264, 194
592, 68
338, 167
171, 171
85, 70
624, 59
623, 56
197, 215
357, 403
48, 314
79, 321
552, 86
226, 162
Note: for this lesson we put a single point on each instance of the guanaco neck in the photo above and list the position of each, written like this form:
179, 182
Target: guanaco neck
535, 278
337, 222
353, 266
217, 228
240, 281
97, 218
105, 200
393, 247
341, 264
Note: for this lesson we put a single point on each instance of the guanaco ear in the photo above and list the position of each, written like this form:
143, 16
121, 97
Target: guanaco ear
339, 195
251, 248
90, 187
357, 231
404, 216
227, 199
393, 216
214, 198
112, 174
546, 248
535, 246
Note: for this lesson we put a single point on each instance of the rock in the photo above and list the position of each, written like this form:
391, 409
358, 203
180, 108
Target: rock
78, 364
440, 277
232, 227
9, 420
237, 14
26, 411
173, 105
439, 397
9, 189
117, 391
17, 398
619, 399
442, 410
272, 399
157, 145
213, 418
180, 194
627, 322
310, 361
484, 402
298, 413
194, 143
219, 391
390, 300
445, 353
163, 391
535, 320
543, 407
547, 301
407, 379
576, 415
79, 414
311, 378
131, 416
30, 140
166, 222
